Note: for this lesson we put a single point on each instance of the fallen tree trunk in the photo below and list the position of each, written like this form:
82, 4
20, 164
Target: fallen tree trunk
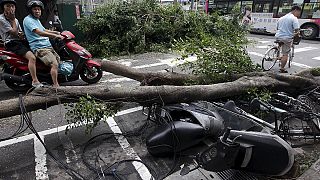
152, 94
172, 78
147, 78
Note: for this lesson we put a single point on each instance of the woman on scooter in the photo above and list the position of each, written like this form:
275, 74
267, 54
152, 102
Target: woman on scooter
38, 38
12, 35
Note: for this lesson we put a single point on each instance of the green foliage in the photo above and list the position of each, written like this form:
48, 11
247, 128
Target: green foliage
88, 112
220, 52
140, 26
263, 94
315, 71
123, 28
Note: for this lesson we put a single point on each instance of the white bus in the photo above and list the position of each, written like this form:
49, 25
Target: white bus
265, 13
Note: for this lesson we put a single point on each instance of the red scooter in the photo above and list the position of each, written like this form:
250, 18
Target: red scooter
16, 73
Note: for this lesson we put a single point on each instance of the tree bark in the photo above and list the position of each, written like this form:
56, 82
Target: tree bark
47, 97
172, 78
147, 78
241, 83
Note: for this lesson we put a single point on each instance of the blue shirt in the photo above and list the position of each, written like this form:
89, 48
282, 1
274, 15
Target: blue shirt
35, 41
286, 26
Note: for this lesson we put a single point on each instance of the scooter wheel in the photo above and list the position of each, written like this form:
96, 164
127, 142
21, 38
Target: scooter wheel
91, 75
18, 87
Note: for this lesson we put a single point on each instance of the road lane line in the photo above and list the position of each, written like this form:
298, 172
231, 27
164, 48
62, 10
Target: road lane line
262, 47
117, 80
296, 50
317, 58
16, 140
40, 152
301, 65
141, 169
40, 159
58, 129
293, 63
264, 42
255, 53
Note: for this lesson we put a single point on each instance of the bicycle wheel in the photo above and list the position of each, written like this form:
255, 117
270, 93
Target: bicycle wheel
270, 58
311, 106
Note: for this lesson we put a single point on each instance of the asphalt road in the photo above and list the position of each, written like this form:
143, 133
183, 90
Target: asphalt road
25, 158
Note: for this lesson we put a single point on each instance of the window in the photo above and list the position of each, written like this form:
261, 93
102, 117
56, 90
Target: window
311, 10
246, 4
262, 7
234, 5
285, 6
222, 7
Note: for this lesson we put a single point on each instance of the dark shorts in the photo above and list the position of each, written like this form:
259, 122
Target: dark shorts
19, 47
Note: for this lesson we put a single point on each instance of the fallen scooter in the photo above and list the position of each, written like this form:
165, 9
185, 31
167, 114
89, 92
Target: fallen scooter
246, 145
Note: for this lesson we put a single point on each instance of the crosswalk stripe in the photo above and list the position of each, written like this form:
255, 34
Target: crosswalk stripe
264, 42
255, 53
40, 159
141, 169
317, 58
296, 50
301, 65
293, 63
262, 47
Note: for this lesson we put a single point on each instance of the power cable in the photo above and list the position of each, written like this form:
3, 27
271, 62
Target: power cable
27, 119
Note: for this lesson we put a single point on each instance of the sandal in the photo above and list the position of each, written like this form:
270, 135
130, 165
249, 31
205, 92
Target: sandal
37, 85
283, 71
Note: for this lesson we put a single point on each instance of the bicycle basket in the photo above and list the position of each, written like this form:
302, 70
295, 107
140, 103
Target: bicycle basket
296, 40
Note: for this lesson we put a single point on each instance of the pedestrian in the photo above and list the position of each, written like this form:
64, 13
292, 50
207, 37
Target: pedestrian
246, 20
38, 38
13, 37
287, 28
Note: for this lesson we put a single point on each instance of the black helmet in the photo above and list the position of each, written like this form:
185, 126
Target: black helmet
2, 2
34, 3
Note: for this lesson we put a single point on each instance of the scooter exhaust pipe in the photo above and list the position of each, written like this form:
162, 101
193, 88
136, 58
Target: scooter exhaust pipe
14, 78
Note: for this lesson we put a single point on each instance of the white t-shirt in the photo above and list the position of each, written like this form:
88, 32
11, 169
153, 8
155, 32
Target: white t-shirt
286, 26
5, 27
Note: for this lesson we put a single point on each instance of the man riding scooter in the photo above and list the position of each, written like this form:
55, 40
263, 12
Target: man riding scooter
12, 35
38, 38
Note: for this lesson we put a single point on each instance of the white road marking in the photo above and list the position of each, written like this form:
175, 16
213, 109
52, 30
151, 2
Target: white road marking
293, 63
117, 80
296, 50
301, 65
264, 42
16, 140
149, 65
106, 73
317, 58
40, 159
262, 47
126, 63
142, 169
255, 53
40, 152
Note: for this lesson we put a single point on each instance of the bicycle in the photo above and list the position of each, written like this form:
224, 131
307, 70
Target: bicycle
272, 55
294, 118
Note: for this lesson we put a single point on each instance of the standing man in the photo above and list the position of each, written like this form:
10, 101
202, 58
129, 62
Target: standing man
12, 35
287, 27
38, 38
